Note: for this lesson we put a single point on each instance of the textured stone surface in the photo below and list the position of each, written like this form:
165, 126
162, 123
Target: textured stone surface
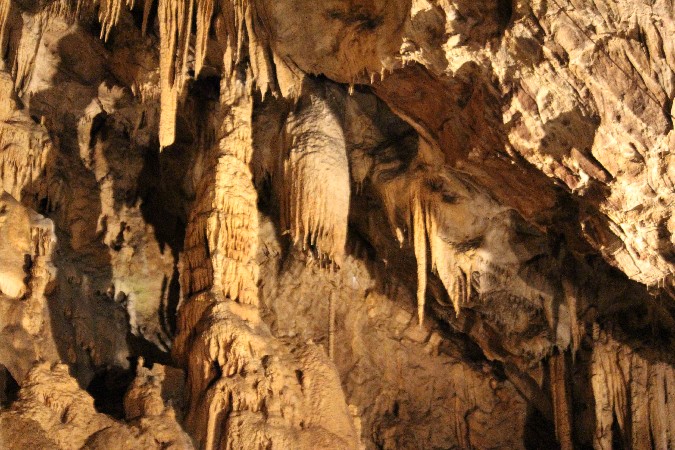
366, 224
54, 410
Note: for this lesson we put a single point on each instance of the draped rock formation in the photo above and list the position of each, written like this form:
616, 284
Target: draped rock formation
389, 224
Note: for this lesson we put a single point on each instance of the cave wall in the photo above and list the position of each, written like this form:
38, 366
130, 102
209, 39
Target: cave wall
371, 224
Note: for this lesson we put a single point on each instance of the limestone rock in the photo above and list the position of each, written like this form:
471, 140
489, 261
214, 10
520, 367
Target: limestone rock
367, 224
27, 277
53, 407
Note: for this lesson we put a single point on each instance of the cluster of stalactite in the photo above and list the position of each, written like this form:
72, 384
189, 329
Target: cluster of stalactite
234, 390
631, 392
232, 383
453, 268
633, 396
312, 211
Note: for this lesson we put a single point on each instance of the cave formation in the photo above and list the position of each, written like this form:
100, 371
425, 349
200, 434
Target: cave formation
367, 224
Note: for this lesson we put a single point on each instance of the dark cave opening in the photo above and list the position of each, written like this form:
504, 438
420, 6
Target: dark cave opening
539, 431
9, 388
108, 388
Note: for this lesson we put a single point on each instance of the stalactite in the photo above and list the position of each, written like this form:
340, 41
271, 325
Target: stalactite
25, 146
661, 409
147, 8
204, 14
452, 267
420, 247
22, 66
233, 31
261, 58
175, 23
570, 293
5, 6
636, 391
609, 388
109, 14
19, 168
315, 185
175, 26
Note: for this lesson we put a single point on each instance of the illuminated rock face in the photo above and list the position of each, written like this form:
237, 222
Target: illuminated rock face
367, 224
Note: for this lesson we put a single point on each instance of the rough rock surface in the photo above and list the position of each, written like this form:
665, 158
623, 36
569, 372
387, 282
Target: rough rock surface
281, 224
58, 414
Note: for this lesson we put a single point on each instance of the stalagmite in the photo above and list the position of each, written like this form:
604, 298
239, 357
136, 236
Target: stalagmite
244, 386
54, 412
156, 184
241, 396
561, 402
331, 326
221, 242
